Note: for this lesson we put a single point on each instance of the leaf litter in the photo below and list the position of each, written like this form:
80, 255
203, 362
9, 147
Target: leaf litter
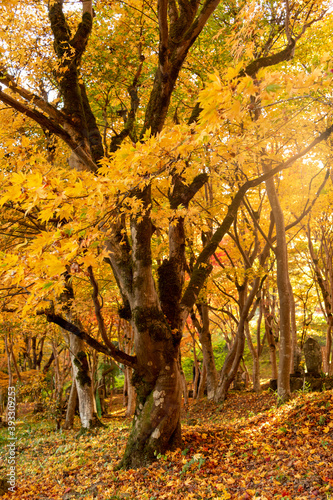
246, 448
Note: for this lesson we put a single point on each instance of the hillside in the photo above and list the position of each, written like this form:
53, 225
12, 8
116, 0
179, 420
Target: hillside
246, 448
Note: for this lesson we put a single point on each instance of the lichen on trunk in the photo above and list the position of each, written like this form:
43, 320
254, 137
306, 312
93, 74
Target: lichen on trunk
156, 424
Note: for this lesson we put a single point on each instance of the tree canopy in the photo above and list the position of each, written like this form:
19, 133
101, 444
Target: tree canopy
157, 157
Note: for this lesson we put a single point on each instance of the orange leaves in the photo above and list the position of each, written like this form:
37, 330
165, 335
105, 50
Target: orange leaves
288, 466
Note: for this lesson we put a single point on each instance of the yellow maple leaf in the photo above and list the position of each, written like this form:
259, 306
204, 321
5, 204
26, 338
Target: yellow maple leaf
17, 178
88, 260
25, 141
230, 480
46, 214
54, 265
235, 109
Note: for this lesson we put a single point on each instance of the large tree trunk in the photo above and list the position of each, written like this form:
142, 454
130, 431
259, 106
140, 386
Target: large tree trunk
156, 426
283, 285
157, 335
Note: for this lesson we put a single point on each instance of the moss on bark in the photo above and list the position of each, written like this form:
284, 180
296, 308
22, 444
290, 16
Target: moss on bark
81, 363
142, 447
152, 320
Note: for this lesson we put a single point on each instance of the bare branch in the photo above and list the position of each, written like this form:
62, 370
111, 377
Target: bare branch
115, 353
98, 309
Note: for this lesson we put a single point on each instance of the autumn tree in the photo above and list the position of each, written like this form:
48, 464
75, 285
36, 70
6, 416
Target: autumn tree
147, 186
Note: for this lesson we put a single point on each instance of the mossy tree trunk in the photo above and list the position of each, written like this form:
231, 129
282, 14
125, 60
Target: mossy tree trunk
156, 321
156, 424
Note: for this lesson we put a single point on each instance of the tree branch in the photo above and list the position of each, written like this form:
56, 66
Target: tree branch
263, 62
98, 309
9, 81
115, 353
164, 34
54, 128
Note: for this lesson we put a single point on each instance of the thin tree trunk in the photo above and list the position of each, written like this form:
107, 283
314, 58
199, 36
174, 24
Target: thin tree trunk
202, 383
271, 343
196, 369
16, 368
57, 375
234, 357
231, 364
125, 388
207, 351
255, 360
71, 406
327, 350
293, 325
269, 332
283, 290
131, 394
183, 379
246, 372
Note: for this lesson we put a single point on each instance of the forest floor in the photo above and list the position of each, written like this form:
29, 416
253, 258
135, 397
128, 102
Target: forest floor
246, 448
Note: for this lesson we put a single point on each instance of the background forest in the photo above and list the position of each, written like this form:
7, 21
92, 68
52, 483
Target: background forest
166, 209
